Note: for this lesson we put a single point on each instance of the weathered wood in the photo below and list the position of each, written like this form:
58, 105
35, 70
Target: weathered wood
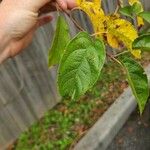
27, 86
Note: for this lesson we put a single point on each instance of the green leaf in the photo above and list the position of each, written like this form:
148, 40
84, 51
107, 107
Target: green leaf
142, 42
126, 11
61, 38
131, 11
137, 8
145, 15
80, 65
137, 79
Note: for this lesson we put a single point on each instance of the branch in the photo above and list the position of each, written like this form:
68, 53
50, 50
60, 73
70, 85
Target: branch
124, 52
74, 21
69, 15
113, 58
120, 3
97, 33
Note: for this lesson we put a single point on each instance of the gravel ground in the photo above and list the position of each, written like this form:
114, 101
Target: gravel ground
135, 135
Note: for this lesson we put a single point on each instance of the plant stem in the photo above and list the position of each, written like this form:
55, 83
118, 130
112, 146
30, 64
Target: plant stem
135, 23
69, 15
74, 21
58, 9
124, 52
117, 9
120, 3
97, 33
145, 30
113, 58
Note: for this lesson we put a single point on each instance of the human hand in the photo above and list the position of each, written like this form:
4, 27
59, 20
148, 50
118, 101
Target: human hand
18, 21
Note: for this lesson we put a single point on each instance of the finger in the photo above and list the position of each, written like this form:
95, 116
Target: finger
44, 20
71, 4
16, 46
62, 4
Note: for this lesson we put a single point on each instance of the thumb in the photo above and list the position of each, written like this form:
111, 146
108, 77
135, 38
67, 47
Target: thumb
71, 4
67, 4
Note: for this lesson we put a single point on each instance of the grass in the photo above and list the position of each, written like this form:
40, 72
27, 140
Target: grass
65, 124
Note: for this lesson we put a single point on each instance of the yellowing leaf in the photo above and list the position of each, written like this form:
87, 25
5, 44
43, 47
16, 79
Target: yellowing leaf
113, 41
131, 2
94, 11
97, 2
120, 30
140, 21
136, 53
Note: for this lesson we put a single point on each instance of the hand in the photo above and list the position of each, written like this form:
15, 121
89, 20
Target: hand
18, 21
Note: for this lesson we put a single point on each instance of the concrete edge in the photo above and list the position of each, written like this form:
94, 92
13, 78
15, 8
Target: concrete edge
105, 129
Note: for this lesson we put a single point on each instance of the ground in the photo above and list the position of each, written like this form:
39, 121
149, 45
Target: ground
65, 124
135, 135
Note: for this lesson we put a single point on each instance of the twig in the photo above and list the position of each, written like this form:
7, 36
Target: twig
135, 23
117, 9
69, 15
58, 9
74, 21
124, 52
119, 3
76, 8
97, 33
146, 29
113, 58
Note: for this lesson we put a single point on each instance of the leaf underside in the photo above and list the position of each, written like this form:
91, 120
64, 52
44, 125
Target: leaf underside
61, 38
138, 81
142, 42
80, 65
131, 10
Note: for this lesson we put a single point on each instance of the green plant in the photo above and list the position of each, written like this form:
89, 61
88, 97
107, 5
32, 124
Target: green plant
81, 58
71, 119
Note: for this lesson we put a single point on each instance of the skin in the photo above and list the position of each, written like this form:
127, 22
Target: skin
19, 20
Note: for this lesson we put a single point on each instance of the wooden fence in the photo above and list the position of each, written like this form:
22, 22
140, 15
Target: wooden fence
27, 87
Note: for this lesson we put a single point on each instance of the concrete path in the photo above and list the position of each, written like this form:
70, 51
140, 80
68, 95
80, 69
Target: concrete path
135, 135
